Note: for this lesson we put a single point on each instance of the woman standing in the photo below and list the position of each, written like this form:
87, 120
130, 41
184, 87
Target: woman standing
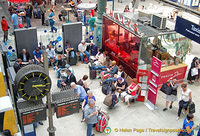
52, 20
185, 99
194, 64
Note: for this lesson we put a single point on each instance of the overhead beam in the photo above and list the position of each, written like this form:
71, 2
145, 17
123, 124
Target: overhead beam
184, 8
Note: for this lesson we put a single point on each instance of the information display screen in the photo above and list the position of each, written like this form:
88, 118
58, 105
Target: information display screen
33, 116
67, 108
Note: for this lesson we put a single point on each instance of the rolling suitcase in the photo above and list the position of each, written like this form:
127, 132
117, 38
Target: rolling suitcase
72, 60
93, 74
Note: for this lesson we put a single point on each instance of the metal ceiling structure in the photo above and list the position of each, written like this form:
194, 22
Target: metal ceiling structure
184, 8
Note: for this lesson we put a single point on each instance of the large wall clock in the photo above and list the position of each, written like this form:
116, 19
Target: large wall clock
32, 83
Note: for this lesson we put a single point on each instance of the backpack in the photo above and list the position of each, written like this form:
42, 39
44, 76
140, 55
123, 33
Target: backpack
108, 100
102, 121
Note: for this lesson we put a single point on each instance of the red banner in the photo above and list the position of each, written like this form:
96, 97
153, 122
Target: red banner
154, 80
18, 1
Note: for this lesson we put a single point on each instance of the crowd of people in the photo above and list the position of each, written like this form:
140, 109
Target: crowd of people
111, 76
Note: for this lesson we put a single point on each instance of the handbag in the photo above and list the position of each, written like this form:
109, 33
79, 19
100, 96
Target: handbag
183, 134
166, 89
192, 108
194, 71
183, 104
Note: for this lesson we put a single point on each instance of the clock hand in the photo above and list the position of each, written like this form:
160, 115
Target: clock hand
40, 85
39, 89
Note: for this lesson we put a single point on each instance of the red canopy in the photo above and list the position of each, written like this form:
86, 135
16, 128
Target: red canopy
18, 1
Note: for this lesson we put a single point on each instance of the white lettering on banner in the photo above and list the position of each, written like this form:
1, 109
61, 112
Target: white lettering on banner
155, 63
175, 74
193, 33
195, 29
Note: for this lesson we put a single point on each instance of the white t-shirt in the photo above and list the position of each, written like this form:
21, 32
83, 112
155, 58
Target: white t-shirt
102, 58
82, 47
185, 95
119, 73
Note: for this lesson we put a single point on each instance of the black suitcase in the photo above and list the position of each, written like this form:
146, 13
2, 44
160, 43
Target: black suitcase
93, 74
192, 108
72, 60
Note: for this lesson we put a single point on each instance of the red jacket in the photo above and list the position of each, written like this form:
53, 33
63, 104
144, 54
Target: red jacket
4, 25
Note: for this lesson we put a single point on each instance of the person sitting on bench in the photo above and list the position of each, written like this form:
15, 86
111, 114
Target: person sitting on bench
82, 50
50, 55
60, 65
38, 55
69, 50
25, 56
120, 85
69, 79
131, 92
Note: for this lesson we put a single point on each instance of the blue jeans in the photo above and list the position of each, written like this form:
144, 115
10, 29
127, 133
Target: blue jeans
97, 67
15, 26
89, 129
28, 21
86, 53
52, 27
81, 99
109, 80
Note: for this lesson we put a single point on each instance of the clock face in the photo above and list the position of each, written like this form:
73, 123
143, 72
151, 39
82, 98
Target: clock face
34, 86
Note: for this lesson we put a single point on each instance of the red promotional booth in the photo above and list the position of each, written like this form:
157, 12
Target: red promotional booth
133, 44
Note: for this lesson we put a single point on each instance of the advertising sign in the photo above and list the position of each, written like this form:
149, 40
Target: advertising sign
188, 29
154, 80
178, 73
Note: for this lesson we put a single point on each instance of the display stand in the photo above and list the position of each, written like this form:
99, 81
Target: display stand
142, 77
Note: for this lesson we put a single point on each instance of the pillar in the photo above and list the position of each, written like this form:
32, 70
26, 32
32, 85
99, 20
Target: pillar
101, 9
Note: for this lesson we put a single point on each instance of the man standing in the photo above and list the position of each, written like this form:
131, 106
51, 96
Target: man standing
4, 26
82, 50
50, 54
14, 19
90, 116
43, 11
27, 14
79, 90
173, 96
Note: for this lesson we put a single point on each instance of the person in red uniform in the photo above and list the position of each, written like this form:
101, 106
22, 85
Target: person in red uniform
4, 26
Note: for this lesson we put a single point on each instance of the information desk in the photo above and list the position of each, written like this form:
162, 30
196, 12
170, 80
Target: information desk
172, 71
